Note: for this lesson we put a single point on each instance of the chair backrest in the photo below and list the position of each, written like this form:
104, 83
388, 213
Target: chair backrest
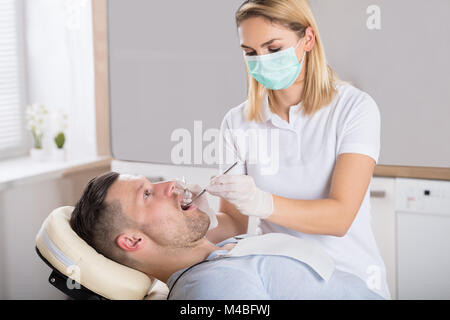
71, 256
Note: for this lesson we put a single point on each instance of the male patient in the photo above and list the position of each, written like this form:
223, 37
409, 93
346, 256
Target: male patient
141, 224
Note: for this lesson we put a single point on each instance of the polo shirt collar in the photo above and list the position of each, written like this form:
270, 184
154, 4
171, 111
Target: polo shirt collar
267, 114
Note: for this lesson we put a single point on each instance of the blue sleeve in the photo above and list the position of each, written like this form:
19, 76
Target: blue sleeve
219, 284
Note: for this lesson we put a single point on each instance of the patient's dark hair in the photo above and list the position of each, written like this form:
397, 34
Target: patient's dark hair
99, 223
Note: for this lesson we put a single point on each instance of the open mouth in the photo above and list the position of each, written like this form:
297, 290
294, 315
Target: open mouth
188, 208
183, 207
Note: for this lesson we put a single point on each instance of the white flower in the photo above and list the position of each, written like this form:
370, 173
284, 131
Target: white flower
36, 115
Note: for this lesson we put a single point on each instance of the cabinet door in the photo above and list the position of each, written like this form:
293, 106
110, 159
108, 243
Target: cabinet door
382, 192
423, 256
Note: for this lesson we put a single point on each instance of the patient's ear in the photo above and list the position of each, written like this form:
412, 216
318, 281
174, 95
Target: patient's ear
130, 242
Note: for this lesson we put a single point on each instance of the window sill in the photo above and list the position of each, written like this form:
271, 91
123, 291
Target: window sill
24, 170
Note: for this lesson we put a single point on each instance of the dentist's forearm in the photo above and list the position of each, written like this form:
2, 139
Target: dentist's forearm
227, 228
322, 216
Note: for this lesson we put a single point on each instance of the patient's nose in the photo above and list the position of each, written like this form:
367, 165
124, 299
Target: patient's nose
169, 189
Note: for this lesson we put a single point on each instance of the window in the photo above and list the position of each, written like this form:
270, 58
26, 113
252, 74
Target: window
13, 138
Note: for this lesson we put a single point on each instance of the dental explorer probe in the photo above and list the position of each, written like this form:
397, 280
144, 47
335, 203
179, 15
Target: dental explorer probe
204, 190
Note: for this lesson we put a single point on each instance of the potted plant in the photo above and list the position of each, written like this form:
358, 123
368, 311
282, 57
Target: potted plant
59, 136
36, 115
60, 154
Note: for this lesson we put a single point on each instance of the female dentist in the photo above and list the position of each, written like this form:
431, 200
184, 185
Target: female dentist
328, 143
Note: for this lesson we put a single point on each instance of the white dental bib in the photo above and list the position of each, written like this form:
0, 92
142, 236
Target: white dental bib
280, 244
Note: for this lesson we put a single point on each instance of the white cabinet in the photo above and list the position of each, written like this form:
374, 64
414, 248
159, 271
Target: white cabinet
411, 224
423, 246
382, 202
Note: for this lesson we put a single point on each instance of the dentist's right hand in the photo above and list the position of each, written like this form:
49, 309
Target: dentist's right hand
242, 192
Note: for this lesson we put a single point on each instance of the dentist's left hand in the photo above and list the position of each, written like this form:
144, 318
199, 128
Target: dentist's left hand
241, 191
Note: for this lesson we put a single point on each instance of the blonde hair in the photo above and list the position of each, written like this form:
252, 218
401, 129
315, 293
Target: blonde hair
296, 15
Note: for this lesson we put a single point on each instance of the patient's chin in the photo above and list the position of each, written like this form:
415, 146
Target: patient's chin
198, 223
206, 218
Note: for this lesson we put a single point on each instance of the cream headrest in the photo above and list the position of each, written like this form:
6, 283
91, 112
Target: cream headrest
73, 257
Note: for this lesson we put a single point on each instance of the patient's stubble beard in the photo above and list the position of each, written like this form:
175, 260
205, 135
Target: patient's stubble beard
183, 235
197, 223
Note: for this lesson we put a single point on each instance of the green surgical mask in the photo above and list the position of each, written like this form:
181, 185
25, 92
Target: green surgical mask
277, 70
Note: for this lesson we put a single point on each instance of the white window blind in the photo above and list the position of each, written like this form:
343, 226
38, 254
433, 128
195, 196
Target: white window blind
12, 126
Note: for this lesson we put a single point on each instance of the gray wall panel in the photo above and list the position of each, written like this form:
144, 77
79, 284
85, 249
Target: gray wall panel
404, 66
171, 63
174, 62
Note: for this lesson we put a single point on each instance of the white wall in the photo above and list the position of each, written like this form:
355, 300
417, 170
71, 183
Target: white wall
23, 208
60, 67
60, 74
2, 252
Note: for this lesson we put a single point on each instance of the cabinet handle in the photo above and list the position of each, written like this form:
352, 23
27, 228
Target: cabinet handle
377, 193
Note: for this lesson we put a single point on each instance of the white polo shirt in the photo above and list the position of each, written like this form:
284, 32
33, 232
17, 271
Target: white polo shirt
296, 160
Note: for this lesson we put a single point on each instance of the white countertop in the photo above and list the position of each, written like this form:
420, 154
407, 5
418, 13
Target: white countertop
24, 170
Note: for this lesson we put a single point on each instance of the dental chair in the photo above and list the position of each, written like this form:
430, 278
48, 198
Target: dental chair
82, 273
